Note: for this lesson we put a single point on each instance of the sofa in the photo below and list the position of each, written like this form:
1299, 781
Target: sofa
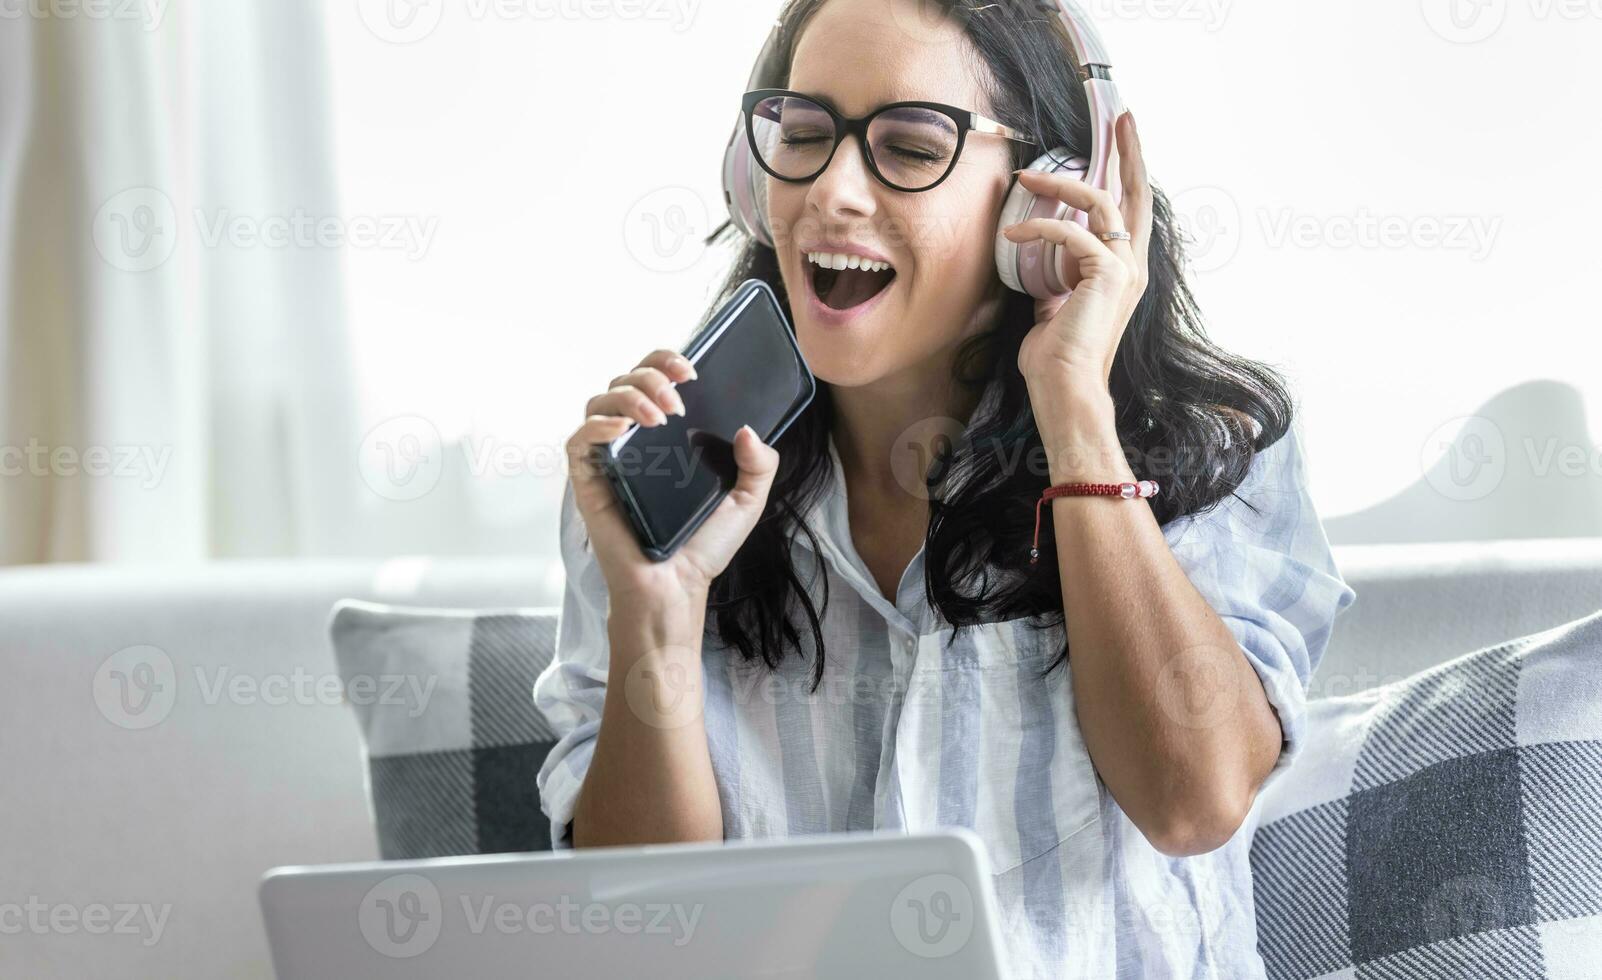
259, 763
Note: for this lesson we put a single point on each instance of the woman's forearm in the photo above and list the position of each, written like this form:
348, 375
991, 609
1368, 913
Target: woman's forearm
650, 779
1173, 715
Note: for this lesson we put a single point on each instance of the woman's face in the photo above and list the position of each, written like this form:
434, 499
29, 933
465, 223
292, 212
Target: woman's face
857, 55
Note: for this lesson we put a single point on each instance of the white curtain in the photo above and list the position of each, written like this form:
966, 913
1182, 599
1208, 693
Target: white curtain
332, 396
174, 367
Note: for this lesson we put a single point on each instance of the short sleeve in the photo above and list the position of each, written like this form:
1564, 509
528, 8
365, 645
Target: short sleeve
1271, 577
571, 690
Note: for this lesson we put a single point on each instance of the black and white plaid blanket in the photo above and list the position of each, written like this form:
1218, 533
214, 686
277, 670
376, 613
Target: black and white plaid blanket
1447, 825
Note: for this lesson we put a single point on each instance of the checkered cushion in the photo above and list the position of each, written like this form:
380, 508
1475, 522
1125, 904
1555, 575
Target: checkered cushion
1447, 825
447, 713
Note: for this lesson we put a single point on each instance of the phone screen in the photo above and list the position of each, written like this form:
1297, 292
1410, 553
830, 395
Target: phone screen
749, 372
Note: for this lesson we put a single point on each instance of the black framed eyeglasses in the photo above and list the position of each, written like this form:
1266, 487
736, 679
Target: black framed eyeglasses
908, 146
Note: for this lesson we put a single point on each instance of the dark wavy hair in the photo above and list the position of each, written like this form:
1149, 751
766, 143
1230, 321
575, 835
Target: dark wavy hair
1183, 406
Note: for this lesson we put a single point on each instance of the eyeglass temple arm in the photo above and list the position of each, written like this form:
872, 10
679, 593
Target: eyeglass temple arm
984, 124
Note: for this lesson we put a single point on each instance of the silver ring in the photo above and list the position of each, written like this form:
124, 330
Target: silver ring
1113, 236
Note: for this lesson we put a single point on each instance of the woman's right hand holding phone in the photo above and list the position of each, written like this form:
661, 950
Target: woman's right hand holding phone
646, 395
650, 777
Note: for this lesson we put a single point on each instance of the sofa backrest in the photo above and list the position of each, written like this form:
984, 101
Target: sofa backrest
244, 772
1421, 605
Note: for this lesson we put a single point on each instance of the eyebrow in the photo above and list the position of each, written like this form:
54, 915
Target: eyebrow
929, 115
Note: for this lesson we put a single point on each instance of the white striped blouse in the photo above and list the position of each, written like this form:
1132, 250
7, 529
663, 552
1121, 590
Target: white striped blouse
909, 734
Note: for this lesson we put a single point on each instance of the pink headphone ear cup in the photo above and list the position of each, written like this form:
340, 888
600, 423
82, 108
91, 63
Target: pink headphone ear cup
1032, 267
744, 188
1018, 202
759, 204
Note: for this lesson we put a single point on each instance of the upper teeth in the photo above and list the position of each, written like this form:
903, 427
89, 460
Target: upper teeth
835, 260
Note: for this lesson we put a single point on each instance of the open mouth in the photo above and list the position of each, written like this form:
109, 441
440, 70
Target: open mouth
846, 281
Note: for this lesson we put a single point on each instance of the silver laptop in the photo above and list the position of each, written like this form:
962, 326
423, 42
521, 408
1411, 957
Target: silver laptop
841, 905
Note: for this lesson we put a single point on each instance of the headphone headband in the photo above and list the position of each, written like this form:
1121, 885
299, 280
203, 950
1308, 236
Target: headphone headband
1083, 38
1033, 267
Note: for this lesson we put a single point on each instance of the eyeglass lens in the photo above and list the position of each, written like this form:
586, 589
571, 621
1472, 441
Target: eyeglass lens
913, 147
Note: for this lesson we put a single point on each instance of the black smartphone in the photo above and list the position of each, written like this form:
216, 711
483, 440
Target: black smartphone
749, 371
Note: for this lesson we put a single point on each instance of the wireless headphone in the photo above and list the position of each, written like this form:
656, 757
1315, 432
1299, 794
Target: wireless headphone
1030, 267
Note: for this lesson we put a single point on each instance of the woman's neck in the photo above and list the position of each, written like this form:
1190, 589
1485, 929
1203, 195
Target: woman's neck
895, 425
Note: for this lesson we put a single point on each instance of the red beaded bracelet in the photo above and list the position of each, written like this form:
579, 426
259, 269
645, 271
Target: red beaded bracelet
1143, 489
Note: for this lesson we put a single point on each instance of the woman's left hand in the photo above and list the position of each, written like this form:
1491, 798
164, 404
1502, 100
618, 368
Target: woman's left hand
1077, 336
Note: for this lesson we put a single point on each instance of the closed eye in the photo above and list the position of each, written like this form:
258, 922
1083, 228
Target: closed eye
910, 154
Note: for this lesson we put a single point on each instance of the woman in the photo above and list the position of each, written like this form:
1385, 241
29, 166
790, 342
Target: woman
857, 638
